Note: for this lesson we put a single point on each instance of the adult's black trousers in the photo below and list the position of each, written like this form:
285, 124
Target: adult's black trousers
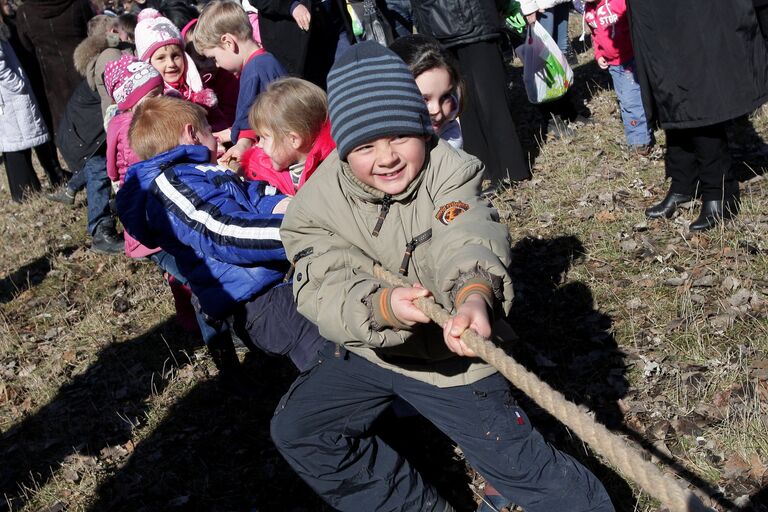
486, 121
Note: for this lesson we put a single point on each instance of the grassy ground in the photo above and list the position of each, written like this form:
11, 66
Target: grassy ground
105, 404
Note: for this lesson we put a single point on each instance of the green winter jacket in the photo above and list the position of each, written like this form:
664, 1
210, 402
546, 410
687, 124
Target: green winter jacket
328, 233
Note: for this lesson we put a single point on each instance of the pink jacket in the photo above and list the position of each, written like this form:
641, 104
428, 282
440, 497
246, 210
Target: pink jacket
119, 157
607, 19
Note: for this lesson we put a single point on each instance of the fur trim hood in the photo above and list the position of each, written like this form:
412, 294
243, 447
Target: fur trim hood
87, 52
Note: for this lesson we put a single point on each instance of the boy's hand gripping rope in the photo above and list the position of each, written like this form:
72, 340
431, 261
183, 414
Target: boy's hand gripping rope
627, 459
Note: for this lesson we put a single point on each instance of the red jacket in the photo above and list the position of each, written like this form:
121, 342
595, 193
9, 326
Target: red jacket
257, 166
607, 19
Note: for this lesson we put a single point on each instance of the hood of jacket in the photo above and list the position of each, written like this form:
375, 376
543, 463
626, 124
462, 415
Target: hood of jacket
257, 165
87, 53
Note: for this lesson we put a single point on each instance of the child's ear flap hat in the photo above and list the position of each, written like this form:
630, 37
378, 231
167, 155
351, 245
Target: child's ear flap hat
129, 79
372, 94
153, 31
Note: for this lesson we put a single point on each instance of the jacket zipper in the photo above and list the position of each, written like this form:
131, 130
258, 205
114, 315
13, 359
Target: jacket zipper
386, 202
410, 247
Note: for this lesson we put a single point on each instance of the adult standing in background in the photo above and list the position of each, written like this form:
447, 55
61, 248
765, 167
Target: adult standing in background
52, 29
306, 36
470, 29
696, 74
21, 125
46, 153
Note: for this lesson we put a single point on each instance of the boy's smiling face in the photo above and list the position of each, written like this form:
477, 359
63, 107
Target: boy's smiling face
389, 164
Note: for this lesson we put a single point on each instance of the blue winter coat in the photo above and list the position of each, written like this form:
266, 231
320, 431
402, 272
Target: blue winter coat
221, 230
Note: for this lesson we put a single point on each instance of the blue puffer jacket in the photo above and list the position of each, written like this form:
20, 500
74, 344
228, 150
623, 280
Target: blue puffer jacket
221, 230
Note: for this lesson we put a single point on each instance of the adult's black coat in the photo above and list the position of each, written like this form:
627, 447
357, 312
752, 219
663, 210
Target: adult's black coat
458, 22
52, 29
304, 54
699, 62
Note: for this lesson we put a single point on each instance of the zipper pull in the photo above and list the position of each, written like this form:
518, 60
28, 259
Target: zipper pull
385, 204
409, 247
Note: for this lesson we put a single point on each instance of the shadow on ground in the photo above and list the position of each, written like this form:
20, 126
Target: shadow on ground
213, 452
30, 274
94, 411
568, 344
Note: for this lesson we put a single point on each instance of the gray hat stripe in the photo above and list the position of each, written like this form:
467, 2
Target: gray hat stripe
375, 109
371, 132
395, 87
385, 62
405, 126
372, 94
366, 73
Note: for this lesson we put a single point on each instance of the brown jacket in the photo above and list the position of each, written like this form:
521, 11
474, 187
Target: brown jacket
329, 225
91, 57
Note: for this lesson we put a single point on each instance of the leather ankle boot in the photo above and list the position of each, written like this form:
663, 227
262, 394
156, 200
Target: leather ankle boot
668, 206
713, 213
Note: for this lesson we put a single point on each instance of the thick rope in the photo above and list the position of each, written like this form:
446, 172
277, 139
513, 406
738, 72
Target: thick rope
620, 454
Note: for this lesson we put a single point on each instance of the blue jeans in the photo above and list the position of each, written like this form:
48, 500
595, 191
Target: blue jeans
321, 426
636, 127
98, 190
555, 22
209, 330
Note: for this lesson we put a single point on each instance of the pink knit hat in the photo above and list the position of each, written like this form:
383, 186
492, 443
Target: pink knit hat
154, 31
129, 79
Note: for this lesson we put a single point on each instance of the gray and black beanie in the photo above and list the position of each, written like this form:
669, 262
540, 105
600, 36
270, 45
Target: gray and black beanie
372, 94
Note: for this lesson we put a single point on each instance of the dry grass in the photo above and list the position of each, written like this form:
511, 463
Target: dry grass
106, 405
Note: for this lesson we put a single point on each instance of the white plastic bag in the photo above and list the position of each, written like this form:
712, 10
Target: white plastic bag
546, 73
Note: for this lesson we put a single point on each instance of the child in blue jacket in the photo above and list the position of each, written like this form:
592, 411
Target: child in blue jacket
220, 233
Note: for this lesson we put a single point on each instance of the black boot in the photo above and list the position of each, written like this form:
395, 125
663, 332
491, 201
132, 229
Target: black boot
713, 213
668, 206
106, 241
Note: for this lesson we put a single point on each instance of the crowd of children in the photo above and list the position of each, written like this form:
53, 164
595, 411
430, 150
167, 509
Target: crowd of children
269, 204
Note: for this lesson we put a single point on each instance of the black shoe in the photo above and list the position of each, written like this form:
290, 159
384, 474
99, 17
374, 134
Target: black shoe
106, 241
713, 213
63, 195
668, 206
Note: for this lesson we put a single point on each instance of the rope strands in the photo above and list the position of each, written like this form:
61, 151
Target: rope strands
620, 454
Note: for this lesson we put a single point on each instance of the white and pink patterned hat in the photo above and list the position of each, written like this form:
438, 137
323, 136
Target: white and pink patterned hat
153, 31
129, 79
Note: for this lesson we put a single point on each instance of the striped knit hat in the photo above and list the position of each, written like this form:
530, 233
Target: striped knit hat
372, 94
